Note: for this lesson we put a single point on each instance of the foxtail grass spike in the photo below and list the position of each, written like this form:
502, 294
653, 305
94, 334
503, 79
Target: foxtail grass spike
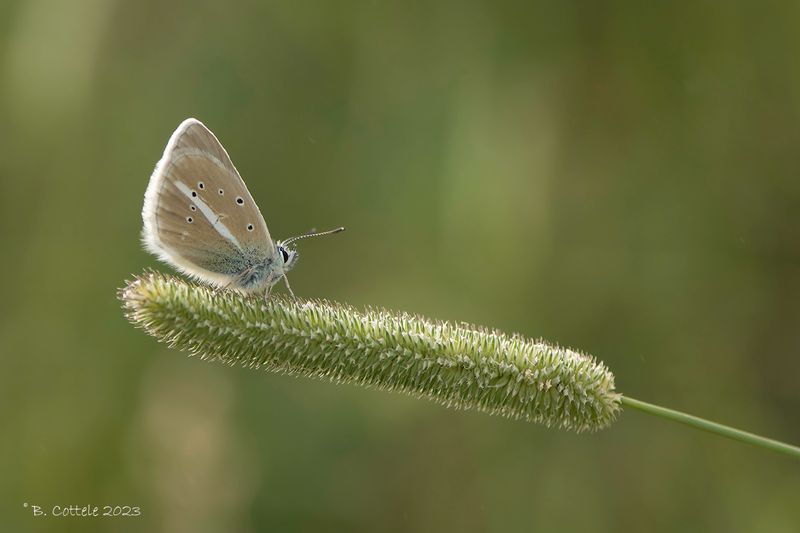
458, 366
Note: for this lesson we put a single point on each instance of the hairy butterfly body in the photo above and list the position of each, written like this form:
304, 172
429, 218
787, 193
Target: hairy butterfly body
199, 217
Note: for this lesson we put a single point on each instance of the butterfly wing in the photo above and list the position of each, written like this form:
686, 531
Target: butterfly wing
198, 214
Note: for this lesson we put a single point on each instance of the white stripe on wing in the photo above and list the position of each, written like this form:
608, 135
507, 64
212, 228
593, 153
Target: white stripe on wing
209, 213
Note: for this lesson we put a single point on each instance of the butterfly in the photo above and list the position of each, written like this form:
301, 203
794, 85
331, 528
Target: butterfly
200, 218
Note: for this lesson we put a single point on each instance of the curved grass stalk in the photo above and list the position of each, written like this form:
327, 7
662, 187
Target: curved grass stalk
457, 365
460, 366
711, 427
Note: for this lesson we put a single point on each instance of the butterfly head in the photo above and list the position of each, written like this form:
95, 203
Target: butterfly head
288, 256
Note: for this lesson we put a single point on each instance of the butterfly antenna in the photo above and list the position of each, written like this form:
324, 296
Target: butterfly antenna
312, 234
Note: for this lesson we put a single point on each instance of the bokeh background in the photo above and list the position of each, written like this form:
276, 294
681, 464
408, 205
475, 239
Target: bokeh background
618, 177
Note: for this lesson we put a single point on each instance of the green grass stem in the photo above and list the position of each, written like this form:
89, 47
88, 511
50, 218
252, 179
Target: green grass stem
457, 365
711, 427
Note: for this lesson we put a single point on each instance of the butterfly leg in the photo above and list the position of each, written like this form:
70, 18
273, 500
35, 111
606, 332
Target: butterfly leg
286, 280
220, 288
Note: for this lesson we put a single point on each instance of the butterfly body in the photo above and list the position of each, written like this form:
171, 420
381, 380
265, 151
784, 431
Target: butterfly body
261, 273
199, 217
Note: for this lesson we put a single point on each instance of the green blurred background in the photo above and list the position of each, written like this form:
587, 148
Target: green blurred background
618, 177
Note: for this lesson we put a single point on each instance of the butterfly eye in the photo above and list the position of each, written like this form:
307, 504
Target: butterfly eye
285, 255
